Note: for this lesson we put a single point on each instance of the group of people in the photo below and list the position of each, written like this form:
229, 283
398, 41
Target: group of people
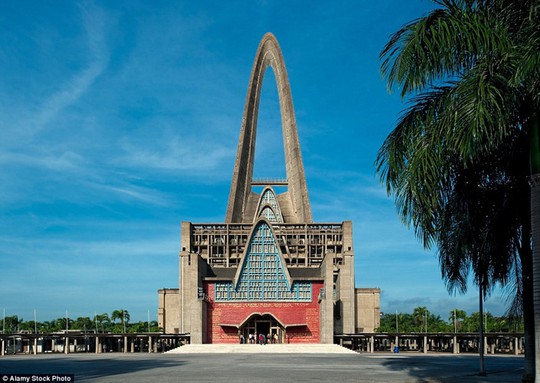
261, 338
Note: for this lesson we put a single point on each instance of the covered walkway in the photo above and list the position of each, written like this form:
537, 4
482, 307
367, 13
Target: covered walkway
80, 342
452, 343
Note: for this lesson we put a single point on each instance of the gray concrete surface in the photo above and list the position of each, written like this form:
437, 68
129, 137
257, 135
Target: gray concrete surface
275, 367
317, 348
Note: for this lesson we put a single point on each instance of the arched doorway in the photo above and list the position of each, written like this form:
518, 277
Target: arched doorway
263, 324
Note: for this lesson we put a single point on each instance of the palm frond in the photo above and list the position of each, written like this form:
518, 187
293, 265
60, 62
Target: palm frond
440, 46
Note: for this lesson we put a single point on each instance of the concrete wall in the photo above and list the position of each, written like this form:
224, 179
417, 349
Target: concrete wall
345, 284
169, 310
192, 308
368, 309
326, 301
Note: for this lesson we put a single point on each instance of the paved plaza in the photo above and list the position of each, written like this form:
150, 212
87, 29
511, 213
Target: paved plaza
262, 364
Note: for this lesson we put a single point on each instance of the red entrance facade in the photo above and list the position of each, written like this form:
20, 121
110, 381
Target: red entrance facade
293, 322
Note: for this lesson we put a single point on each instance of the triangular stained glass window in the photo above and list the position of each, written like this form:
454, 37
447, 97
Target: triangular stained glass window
268, 214
267, 199
263, 275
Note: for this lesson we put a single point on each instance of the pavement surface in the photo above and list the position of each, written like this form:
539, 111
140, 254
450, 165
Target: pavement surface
233, 366
261, 349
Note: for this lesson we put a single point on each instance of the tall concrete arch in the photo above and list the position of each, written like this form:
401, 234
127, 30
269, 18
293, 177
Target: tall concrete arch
241, 197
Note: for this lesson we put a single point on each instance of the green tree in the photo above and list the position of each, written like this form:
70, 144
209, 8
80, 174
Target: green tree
83, 324
144, 327
11, 324
102, 322
396, 322
48, 326
472, 70
62, 324
456, 317
420, 315
154, 326
472, 322
123, 317
435, 323
29, 326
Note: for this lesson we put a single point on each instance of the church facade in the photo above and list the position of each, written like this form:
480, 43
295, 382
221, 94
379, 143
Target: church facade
268, 269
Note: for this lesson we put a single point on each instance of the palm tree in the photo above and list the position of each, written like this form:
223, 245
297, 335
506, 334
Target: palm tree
456, 317
48, 326
420, 317
471, 70
12, 324
123, 316
83, 323
100, 320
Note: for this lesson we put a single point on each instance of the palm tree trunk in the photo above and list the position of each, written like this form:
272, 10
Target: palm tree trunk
535, 225
481, 329
528, 307
535, 229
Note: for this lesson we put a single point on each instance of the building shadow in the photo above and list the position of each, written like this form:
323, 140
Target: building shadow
86, 367
456, 368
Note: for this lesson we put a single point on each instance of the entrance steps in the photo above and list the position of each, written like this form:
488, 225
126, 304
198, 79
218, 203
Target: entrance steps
297, 348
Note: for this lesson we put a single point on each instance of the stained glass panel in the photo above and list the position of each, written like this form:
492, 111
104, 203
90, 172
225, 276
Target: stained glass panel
263, 276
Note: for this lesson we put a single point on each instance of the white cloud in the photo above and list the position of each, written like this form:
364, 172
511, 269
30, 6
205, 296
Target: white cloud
175, 154
70, 91
64, 161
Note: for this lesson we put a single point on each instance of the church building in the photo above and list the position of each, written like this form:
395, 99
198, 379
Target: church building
268, 268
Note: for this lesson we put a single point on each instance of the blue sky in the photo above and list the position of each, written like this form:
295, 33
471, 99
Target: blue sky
120, 119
